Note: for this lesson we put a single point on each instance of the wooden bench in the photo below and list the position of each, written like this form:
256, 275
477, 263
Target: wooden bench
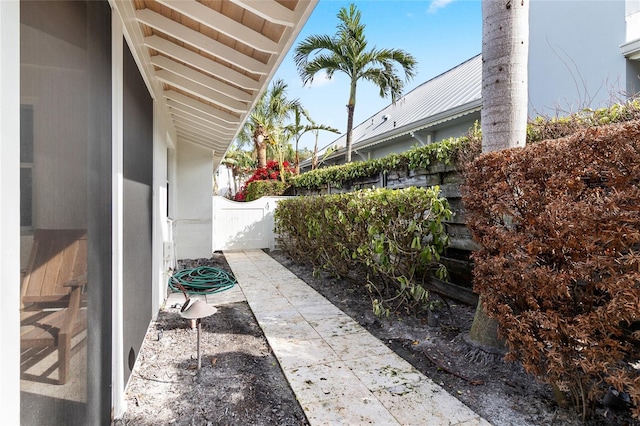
52, 293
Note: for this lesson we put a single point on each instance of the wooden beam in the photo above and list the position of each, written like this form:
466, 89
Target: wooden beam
198, 143
208, 109
208, 142
185, 109
221, 23
201, 91
200, 62
269, 10
453, 291
200, 78
204, 136
199, 126
186, 118
201, 41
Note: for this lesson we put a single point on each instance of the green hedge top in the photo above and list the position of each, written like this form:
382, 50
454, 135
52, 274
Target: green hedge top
447, 151
457, 150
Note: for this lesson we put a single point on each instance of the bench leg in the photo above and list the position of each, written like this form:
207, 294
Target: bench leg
64, 357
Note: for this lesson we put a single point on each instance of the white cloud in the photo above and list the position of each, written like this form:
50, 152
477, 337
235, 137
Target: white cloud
438, 4
320, 79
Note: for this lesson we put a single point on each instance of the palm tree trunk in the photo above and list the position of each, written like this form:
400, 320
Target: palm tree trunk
314, 159
297, 160
351, 106
234, 175
350, 109
505, 53
262, 154
260, 141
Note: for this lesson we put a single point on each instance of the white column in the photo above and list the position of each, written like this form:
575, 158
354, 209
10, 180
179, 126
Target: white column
195, 209
10, 211
117, 351
160, 232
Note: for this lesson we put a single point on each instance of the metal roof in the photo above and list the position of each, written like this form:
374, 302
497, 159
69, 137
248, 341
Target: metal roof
207, 61
450, 95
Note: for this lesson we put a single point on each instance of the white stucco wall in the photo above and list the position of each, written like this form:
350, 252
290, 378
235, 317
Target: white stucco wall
193, 211
633, 20
574, 57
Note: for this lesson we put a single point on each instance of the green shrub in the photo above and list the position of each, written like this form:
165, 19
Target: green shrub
394, 237
543, 128
264, 188
559, 268
448, 151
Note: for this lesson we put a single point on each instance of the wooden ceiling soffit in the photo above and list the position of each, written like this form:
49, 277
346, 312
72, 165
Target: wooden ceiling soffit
269, 11
188, 110
208, 140
200, 91
200, 78
223, 24
198, 143
206, 61
194, 103
200, 62
199, 125
201, 136
201, 41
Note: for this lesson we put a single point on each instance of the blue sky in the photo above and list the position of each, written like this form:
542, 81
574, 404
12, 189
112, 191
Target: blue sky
440, 34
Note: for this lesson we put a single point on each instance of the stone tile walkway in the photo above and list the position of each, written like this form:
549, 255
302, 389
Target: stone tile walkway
341, 374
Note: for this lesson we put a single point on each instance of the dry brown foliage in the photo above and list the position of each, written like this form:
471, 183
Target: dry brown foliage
559, 268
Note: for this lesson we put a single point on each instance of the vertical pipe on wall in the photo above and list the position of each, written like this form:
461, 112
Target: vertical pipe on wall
9, 211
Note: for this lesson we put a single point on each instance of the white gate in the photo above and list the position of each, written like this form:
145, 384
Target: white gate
243, 225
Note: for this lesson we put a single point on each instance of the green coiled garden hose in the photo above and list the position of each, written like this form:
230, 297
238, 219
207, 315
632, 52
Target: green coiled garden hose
202, 280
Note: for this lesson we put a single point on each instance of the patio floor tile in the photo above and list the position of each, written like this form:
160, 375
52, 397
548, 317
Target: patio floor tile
321, 382
384, 371
424, 403
340, 373
365, 411
296, 353
357, 346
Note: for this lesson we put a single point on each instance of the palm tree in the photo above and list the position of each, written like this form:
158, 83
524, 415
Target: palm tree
266, 120
346, 51
297, 129
505, 52
236, 162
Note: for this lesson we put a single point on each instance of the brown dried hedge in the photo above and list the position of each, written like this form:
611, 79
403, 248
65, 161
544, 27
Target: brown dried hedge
559, 268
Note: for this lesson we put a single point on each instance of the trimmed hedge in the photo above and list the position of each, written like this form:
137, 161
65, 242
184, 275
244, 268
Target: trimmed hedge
559, 268
264, 188
393, 237
448, 151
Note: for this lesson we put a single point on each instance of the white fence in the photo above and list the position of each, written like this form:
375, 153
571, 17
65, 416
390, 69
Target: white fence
244, 225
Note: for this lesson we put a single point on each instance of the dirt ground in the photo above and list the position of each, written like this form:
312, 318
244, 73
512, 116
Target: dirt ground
241, 383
